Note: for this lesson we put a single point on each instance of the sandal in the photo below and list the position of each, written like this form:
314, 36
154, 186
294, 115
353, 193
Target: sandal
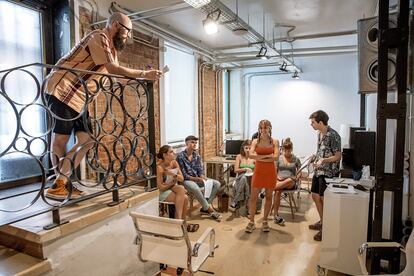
250, 227
265, 227
318, 236
192, 227
316, 226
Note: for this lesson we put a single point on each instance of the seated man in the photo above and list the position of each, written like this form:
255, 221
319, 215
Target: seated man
192, 169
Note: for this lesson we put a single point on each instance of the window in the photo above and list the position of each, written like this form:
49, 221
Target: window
180, 95
20, 44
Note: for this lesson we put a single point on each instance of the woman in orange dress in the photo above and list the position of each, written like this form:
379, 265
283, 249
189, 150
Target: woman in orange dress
265, 150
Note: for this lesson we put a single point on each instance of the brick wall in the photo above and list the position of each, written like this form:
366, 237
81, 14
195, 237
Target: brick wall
209, 124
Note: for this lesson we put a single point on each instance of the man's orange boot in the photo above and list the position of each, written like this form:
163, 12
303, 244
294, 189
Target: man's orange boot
59, 191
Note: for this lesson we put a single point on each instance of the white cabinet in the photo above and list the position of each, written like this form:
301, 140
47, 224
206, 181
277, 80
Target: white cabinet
345, 223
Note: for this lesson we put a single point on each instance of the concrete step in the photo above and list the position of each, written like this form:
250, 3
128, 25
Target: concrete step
16, 263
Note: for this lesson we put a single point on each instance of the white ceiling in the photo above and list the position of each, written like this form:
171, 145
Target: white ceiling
309, 17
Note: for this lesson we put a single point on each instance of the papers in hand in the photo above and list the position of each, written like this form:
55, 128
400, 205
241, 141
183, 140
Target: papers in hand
171, 175
208, 187
165, 69
249, 172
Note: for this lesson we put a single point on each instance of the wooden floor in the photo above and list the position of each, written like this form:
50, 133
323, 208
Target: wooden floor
286, 250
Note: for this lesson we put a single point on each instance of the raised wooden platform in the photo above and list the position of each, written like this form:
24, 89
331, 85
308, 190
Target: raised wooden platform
28, 236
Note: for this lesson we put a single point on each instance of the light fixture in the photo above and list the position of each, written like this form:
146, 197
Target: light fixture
295, 75
262, 53
210, 24
197, 3
283, 67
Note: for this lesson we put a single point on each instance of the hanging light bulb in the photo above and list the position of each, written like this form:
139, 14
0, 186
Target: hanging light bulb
210, 26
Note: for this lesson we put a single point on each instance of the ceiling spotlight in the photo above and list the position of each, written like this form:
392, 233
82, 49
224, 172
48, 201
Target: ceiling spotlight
283, 67
295, 75
262, 53
210, 24
197, 3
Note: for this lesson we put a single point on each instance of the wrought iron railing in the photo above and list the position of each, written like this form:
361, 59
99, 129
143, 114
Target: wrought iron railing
121, 146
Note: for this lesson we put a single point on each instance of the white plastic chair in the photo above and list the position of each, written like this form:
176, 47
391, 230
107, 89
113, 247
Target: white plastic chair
166, 241
408, 250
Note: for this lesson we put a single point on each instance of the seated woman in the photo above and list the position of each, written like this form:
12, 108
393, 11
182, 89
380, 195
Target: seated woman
168, 174
243, 167
288, 165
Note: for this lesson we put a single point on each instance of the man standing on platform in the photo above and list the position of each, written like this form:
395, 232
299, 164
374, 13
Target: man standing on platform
66, 95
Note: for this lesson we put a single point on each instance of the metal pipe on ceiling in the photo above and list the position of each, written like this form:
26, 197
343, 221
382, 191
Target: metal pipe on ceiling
178, 6
296, 50
311, 36
252, 58
279, 63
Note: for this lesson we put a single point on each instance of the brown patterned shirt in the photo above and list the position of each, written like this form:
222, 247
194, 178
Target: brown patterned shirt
91, 53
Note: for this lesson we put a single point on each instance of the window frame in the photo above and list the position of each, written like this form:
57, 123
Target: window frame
46, 42
163, 122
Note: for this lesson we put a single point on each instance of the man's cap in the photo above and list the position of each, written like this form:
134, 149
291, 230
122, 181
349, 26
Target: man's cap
191, 138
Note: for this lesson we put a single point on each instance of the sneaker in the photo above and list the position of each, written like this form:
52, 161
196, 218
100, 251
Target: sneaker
318, 236
265, 227
279, 220
204, 212
250, 227
59, 191
215, 215
316, 226
233, 206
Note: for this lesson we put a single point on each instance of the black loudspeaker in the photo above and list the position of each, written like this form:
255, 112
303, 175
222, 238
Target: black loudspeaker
348, 158
368, 55
352, 131
364, 149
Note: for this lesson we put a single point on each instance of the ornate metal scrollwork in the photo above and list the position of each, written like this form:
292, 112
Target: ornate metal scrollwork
119, 146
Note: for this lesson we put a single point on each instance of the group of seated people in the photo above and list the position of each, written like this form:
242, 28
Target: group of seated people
186, 168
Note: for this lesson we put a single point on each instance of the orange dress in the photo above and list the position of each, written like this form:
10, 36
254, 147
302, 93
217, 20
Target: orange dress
264, 175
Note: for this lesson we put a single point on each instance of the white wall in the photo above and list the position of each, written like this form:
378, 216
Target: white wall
329, 83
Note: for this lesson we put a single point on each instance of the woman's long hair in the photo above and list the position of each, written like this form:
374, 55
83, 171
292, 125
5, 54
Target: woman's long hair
268, 124
245, 143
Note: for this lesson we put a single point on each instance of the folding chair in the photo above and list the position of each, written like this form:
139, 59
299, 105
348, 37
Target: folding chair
290, 198
166, 241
